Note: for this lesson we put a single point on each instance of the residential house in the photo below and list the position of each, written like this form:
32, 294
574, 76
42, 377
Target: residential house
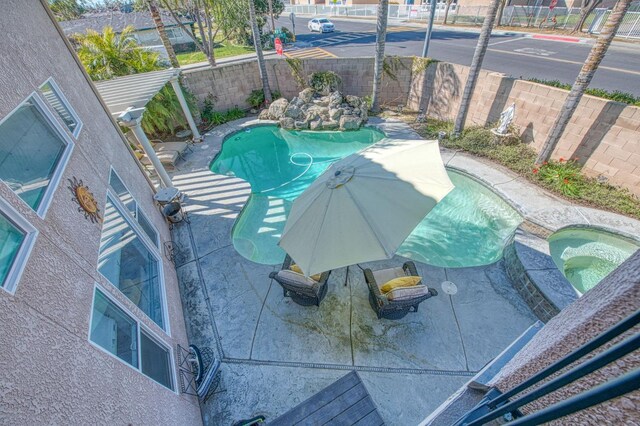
89, 302
145, 29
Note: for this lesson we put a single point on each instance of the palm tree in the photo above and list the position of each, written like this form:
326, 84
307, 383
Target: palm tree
584, 78
157, 19
257, 44
381, 35
586, 8
446, 10
503, 3
107, 54
476, 65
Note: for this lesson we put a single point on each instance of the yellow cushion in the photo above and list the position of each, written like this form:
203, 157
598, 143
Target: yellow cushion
296, 268
400, 282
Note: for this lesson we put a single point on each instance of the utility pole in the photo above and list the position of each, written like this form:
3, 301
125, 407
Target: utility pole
427, 38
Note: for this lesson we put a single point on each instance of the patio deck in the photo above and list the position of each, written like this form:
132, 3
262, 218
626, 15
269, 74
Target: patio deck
275, 353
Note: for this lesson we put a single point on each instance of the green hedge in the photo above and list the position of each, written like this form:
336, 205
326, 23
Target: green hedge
616, 95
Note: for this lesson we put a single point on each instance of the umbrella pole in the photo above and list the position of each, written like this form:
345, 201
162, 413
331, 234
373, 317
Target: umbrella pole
346, 277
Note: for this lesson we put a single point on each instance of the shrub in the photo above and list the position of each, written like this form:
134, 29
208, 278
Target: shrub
215, 118
163, 113
325, 82
616, 95
562, 177
256, 98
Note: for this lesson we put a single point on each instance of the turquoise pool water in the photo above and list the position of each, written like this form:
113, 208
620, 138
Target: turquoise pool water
585, 256
468, 228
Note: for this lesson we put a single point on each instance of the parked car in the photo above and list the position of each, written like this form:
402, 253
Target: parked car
321, 24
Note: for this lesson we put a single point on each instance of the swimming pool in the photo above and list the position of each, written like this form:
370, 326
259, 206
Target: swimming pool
586, 255
470, 227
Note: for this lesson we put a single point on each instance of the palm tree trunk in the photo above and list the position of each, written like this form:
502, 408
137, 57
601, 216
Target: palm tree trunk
157, 19
503, 4
258, 47
584, 78
476, 65
381, 35
190, 33
446, 11
273, 23
587, 7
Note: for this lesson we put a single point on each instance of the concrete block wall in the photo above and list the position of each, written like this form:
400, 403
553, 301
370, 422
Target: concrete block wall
603, 135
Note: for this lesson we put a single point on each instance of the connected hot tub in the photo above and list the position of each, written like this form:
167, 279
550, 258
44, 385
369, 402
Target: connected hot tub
586, 255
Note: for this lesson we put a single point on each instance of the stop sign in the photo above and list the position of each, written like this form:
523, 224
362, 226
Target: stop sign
278, 44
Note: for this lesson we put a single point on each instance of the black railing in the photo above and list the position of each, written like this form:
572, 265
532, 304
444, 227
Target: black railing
496, 404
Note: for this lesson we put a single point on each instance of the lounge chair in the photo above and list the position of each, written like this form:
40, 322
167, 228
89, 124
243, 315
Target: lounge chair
305, 291
180, 147
400, 301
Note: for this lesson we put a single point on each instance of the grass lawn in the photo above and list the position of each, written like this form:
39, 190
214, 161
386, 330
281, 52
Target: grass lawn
224, 51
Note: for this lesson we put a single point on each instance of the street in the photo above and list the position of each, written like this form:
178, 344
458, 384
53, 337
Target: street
513, 54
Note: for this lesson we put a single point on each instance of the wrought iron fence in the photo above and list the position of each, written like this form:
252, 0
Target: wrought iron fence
562, 18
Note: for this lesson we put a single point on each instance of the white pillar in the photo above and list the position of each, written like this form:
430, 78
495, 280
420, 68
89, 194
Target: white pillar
131, 119
185, 109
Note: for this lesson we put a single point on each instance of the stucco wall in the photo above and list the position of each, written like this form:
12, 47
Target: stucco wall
51, 374
615, 298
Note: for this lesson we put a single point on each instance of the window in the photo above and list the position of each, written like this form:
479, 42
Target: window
130, 264
117, 332
174, 32
131, 205
58, 103
16, 240
33, 152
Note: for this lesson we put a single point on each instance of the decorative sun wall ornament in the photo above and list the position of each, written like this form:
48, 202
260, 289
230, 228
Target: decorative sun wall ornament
86, 200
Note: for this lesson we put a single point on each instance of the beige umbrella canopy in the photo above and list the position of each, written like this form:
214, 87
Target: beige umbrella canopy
364, 206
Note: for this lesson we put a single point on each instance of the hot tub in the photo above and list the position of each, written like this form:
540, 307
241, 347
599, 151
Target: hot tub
586, 255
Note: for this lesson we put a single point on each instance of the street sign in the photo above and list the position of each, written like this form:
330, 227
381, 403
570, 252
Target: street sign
553, 4
278, 45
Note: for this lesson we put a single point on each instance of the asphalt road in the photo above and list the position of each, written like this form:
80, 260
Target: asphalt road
510, 53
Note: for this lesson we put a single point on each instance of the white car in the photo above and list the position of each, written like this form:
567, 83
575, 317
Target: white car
321, 24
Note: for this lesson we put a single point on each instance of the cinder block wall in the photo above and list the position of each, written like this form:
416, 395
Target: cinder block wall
603, 135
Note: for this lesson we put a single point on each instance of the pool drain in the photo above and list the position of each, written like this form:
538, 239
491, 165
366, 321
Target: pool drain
449, 288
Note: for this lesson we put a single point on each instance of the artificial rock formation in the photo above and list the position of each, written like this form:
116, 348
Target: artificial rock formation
311, 111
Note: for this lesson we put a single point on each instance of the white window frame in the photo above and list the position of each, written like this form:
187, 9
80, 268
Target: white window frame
41, 105
66, 104
20, 261
140, 325
174, 30
138, 209
155, 251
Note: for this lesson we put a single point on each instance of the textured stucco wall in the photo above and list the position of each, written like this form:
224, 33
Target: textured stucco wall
51, 374
615, 298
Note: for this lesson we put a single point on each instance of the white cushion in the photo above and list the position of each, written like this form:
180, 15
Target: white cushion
407, 293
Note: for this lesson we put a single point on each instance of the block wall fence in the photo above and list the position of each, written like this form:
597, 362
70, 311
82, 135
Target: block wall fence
603, 135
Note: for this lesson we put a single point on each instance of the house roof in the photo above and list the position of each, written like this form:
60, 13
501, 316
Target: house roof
118, 20
133, 91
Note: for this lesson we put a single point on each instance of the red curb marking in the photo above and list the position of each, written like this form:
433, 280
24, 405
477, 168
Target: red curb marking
556, 38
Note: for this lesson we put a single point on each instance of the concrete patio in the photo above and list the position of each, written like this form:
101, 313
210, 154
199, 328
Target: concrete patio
276, 353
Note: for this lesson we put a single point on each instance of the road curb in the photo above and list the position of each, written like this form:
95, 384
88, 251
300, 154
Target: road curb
560, 38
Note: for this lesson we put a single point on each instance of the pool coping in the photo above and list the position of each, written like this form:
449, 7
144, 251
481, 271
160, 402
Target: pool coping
545, 289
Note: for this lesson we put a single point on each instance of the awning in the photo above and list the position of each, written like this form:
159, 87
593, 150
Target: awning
134, 90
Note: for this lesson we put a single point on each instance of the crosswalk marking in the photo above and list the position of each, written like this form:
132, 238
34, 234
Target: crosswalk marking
314, 52
345, 37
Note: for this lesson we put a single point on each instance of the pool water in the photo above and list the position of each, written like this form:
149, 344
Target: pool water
469, 227
585, 256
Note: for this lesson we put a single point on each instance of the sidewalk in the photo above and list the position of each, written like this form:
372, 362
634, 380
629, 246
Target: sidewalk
228, 60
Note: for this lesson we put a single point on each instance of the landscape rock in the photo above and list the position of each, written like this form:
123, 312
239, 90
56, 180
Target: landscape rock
277, 108
330, 125
353, 101
287, 123
307, 110
301, 125
264, 115
315, 124
335, 114
292, 111
350, 122
306, 95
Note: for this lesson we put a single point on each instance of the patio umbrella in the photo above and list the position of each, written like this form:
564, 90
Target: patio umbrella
364, 206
